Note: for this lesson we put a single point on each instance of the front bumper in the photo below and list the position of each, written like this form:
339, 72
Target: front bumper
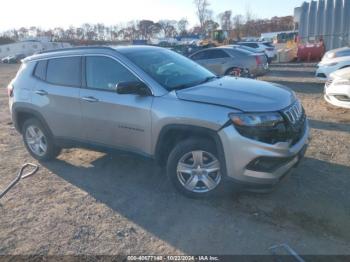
240, 152
330, 98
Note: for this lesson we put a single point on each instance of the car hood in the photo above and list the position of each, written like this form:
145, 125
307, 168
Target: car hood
341, 73
239, 93
339, 59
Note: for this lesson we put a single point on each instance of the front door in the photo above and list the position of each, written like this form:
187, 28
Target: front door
111, 119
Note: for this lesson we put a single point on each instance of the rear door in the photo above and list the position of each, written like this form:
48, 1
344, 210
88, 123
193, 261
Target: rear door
56, 94
111, 119
213, 59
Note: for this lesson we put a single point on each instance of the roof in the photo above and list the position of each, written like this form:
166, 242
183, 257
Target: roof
83, 50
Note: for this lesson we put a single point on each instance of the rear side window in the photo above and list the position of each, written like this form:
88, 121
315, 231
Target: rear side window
239, 52
40, 70
214, 54
210, 54
253, 45
199, 55
105, 73
64, 71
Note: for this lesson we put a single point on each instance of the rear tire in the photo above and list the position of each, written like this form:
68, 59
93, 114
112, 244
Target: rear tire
38, 141
234, 71
194, 168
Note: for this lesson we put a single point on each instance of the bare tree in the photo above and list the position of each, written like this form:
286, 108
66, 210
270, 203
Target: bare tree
182, 26
203, 12
249, 21
168, 27
238, 25
225, 20
210, 26
148, 28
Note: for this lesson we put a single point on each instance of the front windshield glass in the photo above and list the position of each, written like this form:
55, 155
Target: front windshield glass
169, 69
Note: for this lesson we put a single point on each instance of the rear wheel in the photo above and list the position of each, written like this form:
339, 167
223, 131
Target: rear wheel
194, 168
38, 141
234, 71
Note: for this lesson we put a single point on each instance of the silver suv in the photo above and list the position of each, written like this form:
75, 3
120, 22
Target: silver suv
151, 101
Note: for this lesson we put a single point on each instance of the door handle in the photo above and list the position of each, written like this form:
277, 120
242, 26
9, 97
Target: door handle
41, 92
90, 99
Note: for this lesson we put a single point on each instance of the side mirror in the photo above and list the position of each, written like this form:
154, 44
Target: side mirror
133, 87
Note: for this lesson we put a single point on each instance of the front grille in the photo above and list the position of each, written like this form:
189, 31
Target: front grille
296, 122
294, 113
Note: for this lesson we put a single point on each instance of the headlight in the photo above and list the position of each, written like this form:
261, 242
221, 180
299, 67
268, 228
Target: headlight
330, 64
341, 82
263, 127
331, 55
256, 119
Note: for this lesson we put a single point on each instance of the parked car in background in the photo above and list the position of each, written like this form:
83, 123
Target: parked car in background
337, 88
13, 59
339, 52
5, 59
207, 130
227, 61
328, 66
268, 48
247, 48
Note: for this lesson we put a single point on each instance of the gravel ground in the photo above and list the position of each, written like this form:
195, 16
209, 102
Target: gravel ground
87, 202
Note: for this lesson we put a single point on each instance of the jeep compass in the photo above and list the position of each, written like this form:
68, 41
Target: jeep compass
204, 129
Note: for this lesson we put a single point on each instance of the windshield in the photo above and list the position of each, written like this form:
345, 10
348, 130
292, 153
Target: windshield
169, 69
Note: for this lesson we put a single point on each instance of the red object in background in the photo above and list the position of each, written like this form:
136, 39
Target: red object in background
311, 52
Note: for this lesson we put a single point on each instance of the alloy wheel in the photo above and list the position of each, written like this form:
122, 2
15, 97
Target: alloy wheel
199, 171
36, 140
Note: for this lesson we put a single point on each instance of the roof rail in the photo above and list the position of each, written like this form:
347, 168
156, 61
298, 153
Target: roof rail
75, 48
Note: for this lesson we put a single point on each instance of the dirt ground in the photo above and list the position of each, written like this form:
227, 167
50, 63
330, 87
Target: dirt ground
87, 202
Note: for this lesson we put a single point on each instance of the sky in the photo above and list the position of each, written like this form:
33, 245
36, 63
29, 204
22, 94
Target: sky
64, 13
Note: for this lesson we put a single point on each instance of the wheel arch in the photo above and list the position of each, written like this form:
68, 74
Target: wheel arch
171, 134
21, 114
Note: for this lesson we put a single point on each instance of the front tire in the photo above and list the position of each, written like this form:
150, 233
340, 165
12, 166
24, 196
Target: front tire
38, 141
194, 168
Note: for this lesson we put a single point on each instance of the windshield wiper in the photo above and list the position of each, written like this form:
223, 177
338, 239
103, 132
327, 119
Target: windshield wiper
188, 85
207, 79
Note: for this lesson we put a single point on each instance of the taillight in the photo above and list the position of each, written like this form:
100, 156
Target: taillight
10, 90
258, 60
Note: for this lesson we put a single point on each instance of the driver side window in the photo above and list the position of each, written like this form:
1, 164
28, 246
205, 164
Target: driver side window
105, 73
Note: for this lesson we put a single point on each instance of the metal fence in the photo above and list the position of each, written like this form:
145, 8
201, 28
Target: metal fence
328, 20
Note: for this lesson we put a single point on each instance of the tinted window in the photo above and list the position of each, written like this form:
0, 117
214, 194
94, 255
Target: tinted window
214, 54
106, 73
40, 70
344, 53
199, 55
171, 70
239, 52
253, 45
64, 71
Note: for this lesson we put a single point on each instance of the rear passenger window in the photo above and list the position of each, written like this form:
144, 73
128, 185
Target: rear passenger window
199, 56
64, 71
253, 45
105, 73
40, 70
217, 53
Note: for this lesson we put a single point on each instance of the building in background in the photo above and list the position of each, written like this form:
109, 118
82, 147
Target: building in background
30, 46
326, 20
